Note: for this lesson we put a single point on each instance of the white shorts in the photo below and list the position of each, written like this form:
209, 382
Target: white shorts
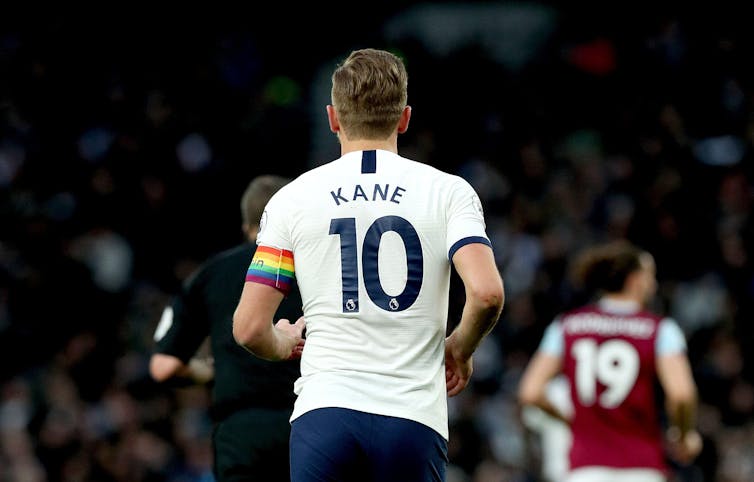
609, 474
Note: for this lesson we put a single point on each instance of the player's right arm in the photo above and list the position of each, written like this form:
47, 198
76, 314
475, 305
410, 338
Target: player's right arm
164, 367
269, 279
542, 368
485, 295
254, 330
177, 337
546, 363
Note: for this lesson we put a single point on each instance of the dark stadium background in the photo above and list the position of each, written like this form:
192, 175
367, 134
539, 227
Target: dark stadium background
127, 136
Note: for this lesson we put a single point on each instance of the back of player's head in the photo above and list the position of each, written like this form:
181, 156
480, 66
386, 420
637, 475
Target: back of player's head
369, 93
256, 195
607, 267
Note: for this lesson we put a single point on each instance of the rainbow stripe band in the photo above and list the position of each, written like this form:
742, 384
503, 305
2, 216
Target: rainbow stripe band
272, 267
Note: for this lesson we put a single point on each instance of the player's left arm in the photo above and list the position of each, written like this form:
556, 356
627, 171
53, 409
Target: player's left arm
470, 251
485, 296
677, 381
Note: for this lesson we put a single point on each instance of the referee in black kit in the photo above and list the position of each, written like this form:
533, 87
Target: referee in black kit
252, 399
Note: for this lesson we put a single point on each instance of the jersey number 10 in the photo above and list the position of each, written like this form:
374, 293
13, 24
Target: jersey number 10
346, 229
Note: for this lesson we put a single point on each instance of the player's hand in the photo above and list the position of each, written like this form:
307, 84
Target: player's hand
295, 337
458, 369
683, 450
201, 370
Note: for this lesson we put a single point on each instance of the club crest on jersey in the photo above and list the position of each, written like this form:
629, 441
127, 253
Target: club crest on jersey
262, 223
478, 205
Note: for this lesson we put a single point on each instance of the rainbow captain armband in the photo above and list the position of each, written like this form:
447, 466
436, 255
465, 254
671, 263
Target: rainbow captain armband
273, 267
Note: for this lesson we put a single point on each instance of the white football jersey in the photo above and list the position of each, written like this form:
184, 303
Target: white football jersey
372, 235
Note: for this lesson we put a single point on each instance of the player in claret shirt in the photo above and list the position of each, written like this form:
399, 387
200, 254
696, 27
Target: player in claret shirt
370, 238
613, 352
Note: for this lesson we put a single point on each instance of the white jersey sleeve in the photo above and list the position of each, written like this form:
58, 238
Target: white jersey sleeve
465, 218
273, 230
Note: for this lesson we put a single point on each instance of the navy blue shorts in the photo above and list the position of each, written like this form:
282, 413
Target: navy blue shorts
340, 445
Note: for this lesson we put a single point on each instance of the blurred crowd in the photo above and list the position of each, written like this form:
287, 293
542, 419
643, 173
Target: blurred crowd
124, 151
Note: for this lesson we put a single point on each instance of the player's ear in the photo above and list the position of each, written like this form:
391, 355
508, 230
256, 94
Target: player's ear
634, 282
250, 231
332, 119
405, 118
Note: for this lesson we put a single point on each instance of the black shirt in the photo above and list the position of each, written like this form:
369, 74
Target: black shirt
205, 307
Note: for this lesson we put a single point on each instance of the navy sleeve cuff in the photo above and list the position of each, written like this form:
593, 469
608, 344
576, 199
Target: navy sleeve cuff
463, 242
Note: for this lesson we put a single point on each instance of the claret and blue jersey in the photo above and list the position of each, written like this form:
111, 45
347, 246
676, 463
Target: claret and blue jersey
609, 351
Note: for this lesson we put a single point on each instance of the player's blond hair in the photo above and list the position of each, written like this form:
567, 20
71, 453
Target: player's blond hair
369, 93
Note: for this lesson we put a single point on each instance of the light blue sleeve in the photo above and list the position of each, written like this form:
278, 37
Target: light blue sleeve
552, 341
670, 338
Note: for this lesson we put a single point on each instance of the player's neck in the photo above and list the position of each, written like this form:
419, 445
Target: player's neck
390, 144
623, 298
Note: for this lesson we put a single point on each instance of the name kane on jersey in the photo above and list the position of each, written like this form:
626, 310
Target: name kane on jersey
377, 193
